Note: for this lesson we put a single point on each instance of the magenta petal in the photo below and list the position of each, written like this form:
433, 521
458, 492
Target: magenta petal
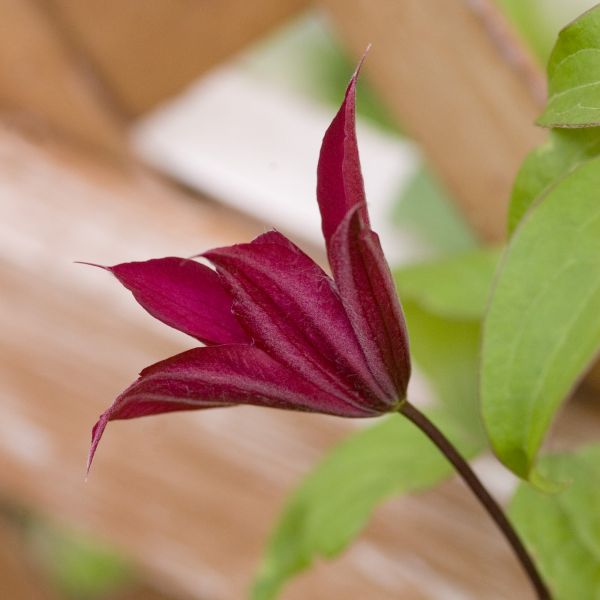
219, 376
339, 179
185, 295
290, 307
367, 290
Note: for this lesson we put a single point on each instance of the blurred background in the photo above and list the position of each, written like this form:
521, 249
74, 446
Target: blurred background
130, 130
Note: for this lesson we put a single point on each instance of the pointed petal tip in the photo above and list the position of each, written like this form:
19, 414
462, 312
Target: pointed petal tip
91, 264
339, 177
352, 83
361, 61
97, 432
184, 294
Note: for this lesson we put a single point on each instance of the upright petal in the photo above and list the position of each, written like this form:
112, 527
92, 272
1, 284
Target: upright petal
185, 295
219, 376
369, 296
290, 307
339, 179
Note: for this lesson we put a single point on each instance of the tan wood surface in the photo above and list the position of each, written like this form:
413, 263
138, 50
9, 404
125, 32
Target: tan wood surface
148, 50
461, 84
190, 496
43, 85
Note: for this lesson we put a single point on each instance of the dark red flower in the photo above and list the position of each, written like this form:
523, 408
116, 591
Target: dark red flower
278, 331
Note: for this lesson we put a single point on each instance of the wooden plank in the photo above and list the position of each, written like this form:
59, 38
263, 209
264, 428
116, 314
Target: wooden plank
43, 85
460, 82
193, 496
148, 50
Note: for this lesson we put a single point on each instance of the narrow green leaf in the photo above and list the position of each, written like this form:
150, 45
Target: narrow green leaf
574, 75
543, 326
565, 150
336, 499
455, 287
563, 530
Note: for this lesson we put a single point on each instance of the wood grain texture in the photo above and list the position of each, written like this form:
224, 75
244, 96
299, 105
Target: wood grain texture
191, 497
43, 85
461, 84
148, 50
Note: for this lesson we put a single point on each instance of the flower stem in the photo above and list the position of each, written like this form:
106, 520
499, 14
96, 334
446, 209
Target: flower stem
484, 497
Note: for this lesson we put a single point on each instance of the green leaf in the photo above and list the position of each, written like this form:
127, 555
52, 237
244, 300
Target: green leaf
444, 302
574, 75
336, 499
543, 326
426, 210
80, 567
455, 287
563, 530
565, 150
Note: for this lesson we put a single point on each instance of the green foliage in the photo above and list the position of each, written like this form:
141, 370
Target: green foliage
80, 567
425, 209
565, 150
444, 302
336, 499
543, 325
574, 75
539, 21
456, 287
334, 502
563, 530
447, 352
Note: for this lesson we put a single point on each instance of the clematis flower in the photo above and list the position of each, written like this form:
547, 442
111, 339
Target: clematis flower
277, 330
